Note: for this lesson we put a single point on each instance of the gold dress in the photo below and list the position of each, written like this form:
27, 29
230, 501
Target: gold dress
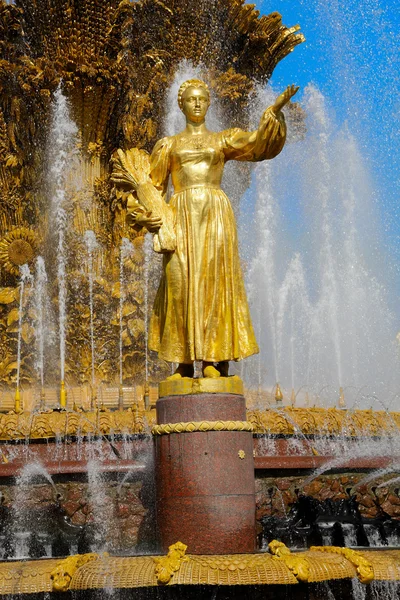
201, 311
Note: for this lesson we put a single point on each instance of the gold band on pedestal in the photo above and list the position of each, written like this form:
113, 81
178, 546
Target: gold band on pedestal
204, 426
207, 385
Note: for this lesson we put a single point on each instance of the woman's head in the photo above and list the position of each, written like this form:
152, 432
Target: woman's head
194, 99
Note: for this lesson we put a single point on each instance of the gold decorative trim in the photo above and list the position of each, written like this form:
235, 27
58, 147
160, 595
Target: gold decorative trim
61, 576
129, 572
207, 385
308, 421
166, 566
289, 420
204, 426
299, 565
384, 563
48, 425
364, 568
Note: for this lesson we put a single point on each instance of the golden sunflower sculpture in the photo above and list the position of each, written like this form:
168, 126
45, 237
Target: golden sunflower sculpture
18, 247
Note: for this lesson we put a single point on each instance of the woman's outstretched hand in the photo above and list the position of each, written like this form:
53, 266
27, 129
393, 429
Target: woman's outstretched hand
284, 98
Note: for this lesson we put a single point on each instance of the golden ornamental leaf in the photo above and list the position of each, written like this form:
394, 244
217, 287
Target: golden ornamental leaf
126, 340
8, 295
102, 282
6, 367
11, 161
129, 309
27, 333
116, 290
12, 316
136, 327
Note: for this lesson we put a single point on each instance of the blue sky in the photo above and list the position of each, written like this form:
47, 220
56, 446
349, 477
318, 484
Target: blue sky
352, 55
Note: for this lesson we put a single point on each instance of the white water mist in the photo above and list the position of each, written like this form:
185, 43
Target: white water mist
126, 249
40, 298
318, 299
91, 246
60, 146
25, 276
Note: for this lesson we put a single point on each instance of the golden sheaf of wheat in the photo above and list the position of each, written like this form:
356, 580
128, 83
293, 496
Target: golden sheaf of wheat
131, 167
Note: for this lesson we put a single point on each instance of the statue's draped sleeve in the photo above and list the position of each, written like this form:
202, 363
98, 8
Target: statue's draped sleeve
159, 164
264, 143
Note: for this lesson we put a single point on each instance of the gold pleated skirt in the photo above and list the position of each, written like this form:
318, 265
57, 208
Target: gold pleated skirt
201, 311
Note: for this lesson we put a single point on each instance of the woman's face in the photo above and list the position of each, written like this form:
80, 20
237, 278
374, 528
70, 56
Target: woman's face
195, 103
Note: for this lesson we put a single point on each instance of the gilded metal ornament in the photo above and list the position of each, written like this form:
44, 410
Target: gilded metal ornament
167, 566
200, 311
314, 565
204, 426
115, 82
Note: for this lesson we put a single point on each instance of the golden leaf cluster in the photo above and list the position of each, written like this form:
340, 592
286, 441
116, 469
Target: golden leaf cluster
115, 61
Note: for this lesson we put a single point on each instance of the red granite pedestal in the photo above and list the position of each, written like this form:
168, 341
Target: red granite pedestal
205, 480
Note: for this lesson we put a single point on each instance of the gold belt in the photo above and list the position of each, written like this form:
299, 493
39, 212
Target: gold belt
198, 186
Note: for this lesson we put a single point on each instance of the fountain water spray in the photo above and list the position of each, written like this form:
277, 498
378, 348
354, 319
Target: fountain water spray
318, 323
25, 276
40, 301
262, 268
61, 141
148, 252
125, 250
91, 245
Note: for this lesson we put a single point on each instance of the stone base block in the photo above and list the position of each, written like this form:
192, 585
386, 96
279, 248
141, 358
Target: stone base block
205, 474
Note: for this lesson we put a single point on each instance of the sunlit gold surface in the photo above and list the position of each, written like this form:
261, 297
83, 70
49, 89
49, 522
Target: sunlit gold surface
278, 393
298, 564
63, 395
167, 566
17, 247
312, 421
314, 565
62, 574
115, 67
325, 421
203, 385
26, 577
61, 424
17, 403
201, 311
364, 567
190, 427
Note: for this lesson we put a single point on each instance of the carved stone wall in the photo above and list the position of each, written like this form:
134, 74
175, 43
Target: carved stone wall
276, 494
124, 519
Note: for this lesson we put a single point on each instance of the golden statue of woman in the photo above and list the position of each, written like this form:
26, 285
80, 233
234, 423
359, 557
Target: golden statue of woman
201, 311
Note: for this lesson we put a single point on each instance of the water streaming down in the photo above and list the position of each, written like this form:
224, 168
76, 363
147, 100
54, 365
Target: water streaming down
40, 300
126, 249
100, 506
25, 276
314, 224
25, 533
148, 252
60, 146
91, 245
313, 298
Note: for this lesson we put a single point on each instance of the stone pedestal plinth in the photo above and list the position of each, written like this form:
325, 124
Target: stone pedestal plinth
205, 473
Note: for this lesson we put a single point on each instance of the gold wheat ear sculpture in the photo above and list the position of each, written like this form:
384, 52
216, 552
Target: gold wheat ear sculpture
131, 171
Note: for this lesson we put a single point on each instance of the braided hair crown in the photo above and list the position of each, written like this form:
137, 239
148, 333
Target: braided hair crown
190, 83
